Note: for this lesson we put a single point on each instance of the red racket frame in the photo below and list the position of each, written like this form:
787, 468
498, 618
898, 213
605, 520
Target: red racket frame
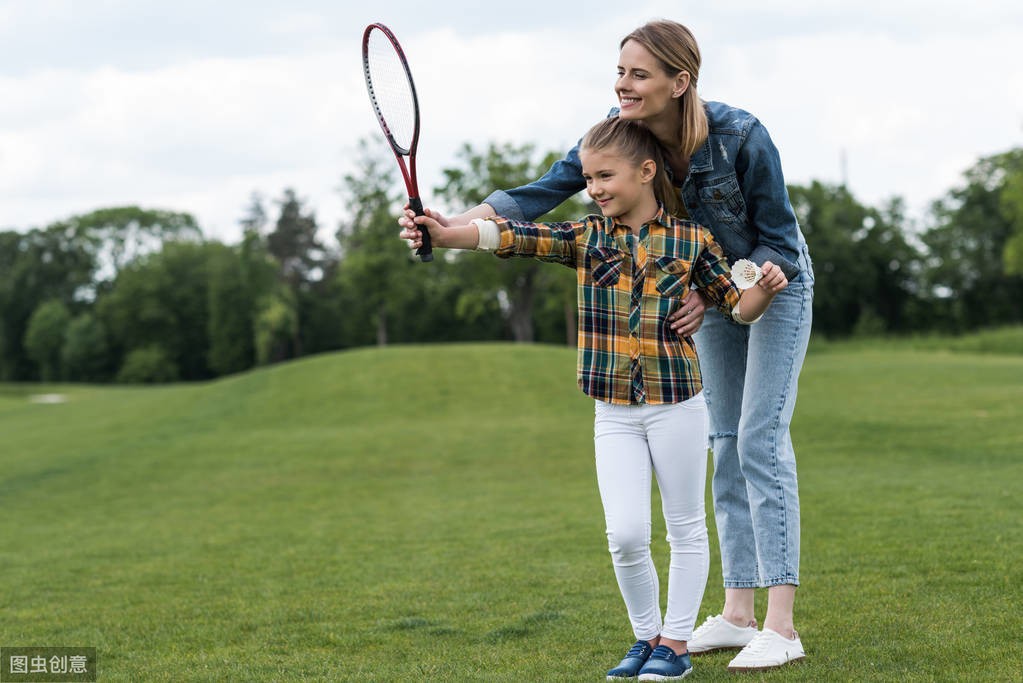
408, 173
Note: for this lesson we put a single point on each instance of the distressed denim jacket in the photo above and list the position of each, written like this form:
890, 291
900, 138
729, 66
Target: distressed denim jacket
734, 187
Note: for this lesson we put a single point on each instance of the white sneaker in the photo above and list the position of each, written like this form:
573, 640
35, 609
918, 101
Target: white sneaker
767, 650
717, 633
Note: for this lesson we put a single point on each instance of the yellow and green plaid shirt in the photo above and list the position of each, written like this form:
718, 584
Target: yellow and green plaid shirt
627, 289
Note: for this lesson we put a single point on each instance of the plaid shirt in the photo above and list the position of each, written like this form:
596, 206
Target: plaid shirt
627, 289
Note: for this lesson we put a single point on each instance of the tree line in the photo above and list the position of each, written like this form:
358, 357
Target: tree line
130, 294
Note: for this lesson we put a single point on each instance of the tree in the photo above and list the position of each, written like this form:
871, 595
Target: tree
44, 338
299, 253
833, 222
232, 307
36, 266
276, 325
118, 235
508, 285
148, 365
240, 279
374, 263
294, 243
867, 272
973, 229
1012, 210
894, 295
255, 219
86, 354
162, 300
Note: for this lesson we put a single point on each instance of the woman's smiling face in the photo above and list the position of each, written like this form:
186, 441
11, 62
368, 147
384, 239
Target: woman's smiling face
644, 90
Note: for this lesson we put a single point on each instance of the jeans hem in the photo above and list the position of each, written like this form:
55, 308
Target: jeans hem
780, 581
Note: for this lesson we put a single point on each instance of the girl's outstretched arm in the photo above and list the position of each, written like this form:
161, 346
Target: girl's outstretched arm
482, 211
450, 237
555, 242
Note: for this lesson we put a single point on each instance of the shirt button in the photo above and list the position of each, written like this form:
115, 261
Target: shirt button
634, 347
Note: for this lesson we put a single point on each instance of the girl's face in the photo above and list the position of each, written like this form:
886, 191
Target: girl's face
617, 185
644, 90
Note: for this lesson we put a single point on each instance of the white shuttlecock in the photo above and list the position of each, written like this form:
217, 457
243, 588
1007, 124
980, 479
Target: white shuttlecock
745, 273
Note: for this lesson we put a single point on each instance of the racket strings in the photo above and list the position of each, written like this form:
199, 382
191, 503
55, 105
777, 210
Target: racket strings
390, 89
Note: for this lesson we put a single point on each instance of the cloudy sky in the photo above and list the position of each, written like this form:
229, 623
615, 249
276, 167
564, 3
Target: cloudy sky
194, 105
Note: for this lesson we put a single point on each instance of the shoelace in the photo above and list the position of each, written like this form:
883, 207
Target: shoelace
758, 645
637, 650
663, 652
707, 624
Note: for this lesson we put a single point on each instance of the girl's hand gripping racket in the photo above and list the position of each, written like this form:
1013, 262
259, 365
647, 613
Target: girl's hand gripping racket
393, 96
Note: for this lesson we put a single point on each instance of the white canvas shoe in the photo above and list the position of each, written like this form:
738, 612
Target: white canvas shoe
767, 650
717, 633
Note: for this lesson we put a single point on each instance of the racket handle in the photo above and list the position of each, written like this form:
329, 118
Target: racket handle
425, 252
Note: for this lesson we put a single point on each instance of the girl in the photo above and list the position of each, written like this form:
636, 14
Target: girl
633, 268
727, 175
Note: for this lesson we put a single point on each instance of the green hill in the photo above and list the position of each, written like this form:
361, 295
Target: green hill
432, 513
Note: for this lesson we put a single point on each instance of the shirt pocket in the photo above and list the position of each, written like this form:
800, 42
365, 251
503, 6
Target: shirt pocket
605, 266
672, 276
724, 201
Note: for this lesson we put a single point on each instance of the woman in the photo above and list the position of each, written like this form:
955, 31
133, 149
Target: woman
728, 173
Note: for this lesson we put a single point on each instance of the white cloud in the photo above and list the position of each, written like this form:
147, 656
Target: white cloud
913, 93
194, 130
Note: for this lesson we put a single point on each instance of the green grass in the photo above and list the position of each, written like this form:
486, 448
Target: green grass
432, 513
1001, 341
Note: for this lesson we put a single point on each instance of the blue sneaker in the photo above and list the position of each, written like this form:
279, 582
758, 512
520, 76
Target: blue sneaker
633, 662
665, 665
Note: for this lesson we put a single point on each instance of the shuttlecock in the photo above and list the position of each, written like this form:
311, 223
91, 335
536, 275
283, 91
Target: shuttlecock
745, 273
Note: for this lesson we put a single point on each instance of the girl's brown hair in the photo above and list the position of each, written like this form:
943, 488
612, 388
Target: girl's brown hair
634, 142
674, 46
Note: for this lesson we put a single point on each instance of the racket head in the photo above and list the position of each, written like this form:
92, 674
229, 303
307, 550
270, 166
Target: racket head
392, 91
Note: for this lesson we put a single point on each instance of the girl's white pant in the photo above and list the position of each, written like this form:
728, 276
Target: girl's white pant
669, 441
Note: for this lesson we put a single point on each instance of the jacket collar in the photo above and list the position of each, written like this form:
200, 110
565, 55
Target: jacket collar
699, 161
702, 160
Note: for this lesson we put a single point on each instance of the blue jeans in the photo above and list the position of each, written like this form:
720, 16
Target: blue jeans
756, 498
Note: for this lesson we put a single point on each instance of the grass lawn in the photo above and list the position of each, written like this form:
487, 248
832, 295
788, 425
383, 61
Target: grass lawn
432, 513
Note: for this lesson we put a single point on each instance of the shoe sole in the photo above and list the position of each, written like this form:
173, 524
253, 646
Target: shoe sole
659, 677
723, 648
752, 669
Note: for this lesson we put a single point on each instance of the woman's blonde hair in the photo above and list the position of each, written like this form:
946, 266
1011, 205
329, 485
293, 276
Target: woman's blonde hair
634, 142
674, 46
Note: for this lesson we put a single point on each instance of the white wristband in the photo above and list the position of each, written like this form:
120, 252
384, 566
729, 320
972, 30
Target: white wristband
737, 318
490, 234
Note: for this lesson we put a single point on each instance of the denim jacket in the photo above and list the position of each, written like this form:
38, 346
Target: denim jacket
734, 187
